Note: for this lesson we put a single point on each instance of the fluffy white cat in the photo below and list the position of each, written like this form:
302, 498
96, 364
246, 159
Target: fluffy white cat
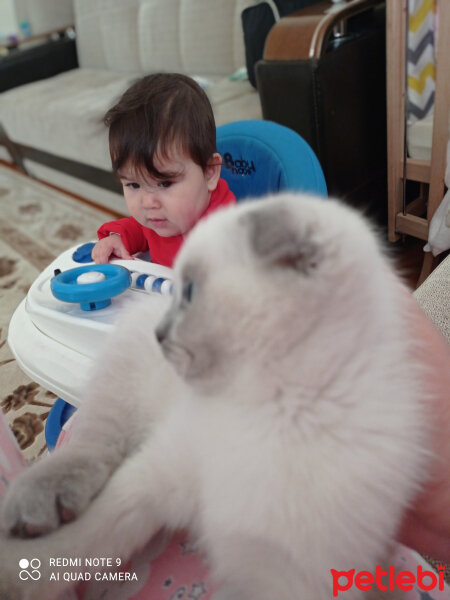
284, 426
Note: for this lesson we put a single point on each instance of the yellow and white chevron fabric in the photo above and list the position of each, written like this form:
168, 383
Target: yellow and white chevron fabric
421, 60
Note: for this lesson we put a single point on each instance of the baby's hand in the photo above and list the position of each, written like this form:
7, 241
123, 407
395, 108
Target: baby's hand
107, 247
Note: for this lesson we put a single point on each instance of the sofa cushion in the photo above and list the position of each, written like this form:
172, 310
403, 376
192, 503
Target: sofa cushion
63, 115
89, 40
46, 15
184, 36
107, 34
233, 100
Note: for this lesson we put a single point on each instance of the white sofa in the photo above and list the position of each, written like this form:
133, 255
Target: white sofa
117, 41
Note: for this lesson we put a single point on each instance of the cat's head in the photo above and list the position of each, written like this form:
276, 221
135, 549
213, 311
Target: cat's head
253, 281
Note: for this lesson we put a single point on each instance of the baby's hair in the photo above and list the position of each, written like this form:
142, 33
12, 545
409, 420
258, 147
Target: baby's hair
157, 114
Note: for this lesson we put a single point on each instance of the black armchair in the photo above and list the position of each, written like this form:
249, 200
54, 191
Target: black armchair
323, 74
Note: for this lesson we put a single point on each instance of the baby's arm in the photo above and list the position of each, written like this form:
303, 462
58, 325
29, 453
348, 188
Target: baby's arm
109, 246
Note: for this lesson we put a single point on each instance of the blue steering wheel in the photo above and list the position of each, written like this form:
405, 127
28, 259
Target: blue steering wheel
93, 291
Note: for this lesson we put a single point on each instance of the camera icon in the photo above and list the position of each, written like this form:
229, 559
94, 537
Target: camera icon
29, 569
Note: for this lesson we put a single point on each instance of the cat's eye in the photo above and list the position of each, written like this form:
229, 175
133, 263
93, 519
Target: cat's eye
188, 291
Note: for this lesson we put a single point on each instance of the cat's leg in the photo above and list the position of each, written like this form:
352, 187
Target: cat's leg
56, 489
116, 415
149, 490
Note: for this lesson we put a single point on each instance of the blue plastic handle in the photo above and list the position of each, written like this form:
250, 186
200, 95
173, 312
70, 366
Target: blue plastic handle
91, 296
83, 253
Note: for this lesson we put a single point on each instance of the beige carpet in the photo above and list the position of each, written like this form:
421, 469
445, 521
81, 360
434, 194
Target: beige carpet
36, 224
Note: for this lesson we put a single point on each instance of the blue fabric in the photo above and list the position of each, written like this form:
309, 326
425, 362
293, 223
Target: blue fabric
261, 157
60, 412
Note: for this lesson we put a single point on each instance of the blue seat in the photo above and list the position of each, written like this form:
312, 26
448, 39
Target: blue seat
261, 157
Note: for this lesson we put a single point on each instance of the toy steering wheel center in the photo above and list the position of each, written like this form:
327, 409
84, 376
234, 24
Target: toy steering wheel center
91, 277
92, 286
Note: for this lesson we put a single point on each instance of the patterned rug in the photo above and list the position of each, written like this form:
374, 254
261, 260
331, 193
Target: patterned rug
36, 224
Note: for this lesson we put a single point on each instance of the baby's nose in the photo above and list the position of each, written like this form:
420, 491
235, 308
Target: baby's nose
149, 199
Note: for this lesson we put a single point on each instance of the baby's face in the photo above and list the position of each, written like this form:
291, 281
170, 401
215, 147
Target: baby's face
171, 206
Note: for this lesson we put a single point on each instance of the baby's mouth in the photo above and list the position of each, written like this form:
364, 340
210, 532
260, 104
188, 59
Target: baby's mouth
157, 222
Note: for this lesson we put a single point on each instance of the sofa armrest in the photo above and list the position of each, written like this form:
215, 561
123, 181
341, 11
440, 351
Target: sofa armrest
434, 297
37, 62
305, 34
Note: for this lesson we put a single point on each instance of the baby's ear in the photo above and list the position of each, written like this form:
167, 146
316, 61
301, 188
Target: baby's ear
274, 237
212, 171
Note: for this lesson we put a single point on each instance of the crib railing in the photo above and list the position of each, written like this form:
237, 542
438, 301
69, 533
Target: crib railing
413, 217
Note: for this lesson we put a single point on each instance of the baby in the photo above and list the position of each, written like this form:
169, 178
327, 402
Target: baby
162, 140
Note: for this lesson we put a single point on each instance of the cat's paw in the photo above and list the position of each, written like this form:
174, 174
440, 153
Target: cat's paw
50, 493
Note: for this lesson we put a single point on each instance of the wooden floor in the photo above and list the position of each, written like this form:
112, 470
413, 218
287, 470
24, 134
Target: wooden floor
408, 259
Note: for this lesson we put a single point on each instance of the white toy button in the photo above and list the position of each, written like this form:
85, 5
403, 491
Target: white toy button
91, 277
166, 287
149, 282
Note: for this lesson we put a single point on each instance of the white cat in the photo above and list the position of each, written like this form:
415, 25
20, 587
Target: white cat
289, 437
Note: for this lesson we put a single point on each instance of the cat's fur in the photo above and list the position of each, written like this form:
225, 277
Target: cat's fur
290, 436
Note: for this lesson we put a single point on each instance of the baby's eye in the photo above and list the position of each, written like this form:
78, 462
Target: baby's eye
132, 185
165, 184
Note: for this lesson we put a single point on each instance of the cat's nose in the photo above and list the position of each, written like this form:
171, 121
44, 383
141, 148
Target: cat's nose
161, 331
160, 334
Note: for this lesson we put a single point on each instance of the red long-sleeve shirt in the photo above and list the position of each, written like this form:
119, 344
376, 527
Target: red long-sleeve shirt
163, 250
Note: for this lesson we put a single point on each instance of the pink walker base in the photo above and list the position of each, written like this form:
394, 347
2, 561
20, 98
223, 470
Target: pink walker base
178, 573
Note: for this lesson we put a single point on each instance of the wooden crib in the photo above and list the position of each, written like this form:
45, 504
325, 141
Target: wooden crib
413, 217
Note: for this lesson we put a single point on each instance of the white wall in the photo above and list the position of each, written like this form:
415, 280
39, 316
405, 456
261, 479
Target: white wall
8, 18
45, 15
42, 15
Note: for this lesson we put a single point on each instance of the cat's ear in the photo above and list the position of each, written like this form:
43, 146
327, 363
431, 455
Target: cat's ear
274, 237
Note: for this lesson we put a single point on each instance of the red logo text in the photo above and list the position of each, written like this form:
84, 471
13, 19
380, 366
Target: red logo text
388, 580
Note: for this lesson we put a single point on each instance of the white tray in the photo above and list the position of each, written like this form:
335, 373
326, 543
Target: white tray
56, 342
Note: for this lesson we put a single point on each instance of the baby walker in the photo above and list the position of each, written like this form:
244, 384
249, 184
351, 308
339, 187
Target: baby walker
56, 332
58, 329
